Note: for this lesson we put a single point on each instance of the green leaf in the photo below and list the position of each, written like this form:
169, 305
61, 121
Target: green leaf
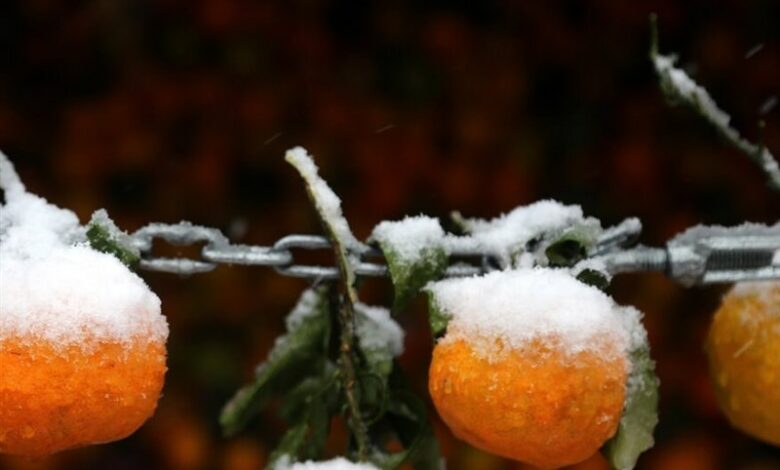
572, 245
306, 439
437, 317
640, 416
104, 236
295, 355
380, 339
408, 417
409, 276
593, 277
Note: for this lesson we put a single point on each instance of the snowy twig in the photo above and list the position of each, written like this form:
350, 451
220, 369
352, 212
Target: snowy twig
679, 87
328, 207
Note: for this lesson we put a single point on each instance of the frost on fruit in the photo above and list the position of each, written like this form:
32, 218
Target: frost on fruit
556, 326
521, 305
743, 349
82, 340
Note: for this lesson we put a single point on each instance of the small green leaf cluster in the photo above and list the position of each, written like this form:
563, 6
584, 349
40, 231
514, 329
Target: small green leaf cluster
103, 235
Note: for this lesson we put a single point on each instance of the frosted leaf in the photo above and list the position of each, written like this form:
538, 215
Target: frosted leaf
310, 304
411, 237
53, 286
104, 236
328, 203
415, 253
376, 329
339, 463
518, 306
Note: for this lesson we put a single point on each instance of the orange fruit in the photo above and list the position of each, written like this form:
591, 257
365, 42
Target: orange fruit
82, 351
743, 347
533, 365
533, 404
54, 398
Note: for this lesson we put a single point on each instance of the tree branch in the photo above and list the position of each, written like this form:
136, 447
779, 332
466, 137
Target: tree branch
678, 87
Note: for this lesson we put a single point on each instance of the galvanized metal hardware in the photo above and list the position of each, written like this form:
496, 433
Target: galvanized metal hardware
700, 255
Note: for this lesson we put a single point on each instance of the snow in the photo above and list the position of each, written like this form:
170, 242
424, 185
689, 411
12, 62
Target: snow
410, 237
522, 305
776, 258
54, 286
766, 292
306, 307
595, 264
376, 329
508, 234
328, 203
339, 463
689, 90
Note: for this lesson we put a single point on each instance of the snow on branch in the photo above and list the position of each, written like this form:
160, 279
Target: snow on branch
680, 88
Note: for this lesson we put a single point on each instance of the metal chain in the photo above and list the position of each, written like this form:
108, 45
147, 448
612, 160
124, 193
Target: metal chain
702, 255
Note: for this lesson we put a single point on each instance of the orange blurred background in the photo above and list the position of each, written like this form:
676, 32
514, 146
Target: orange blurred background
182, 110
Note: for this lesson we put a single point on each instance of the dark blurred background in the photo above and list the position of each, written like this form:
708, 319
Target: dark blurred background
182, 109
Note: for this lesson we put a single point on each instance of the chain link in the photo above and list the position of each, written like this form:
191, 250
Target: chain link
703, 255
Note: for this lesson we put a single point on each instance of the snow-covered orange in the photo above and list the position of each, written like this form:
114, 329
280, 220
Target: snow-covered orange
82, 339
533, 366
743, 346
532, 404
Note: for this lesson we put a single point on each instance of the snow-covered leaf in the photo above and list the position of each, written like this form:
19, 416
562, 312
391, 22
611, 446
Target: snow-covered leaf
104, 236
299, 352
572, 245
437, 317
380, 339
593, 277
414, 252
640, 416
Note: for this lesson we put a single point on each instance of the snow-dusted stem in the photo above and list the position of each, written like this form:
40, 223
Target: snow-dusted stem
679, 87
329, 211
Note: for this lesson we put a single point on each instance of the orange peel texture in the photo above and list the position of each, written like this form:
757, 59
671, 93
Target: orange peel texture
56, 398
743, 347
535, 404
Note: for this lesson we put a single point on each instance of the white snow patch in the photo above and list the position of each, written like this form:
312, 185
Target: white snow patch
376, 329
518, 306
53, 286
339, 463
776, 258
508, 234
328, 203
306, 307
410, 237
595, 264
